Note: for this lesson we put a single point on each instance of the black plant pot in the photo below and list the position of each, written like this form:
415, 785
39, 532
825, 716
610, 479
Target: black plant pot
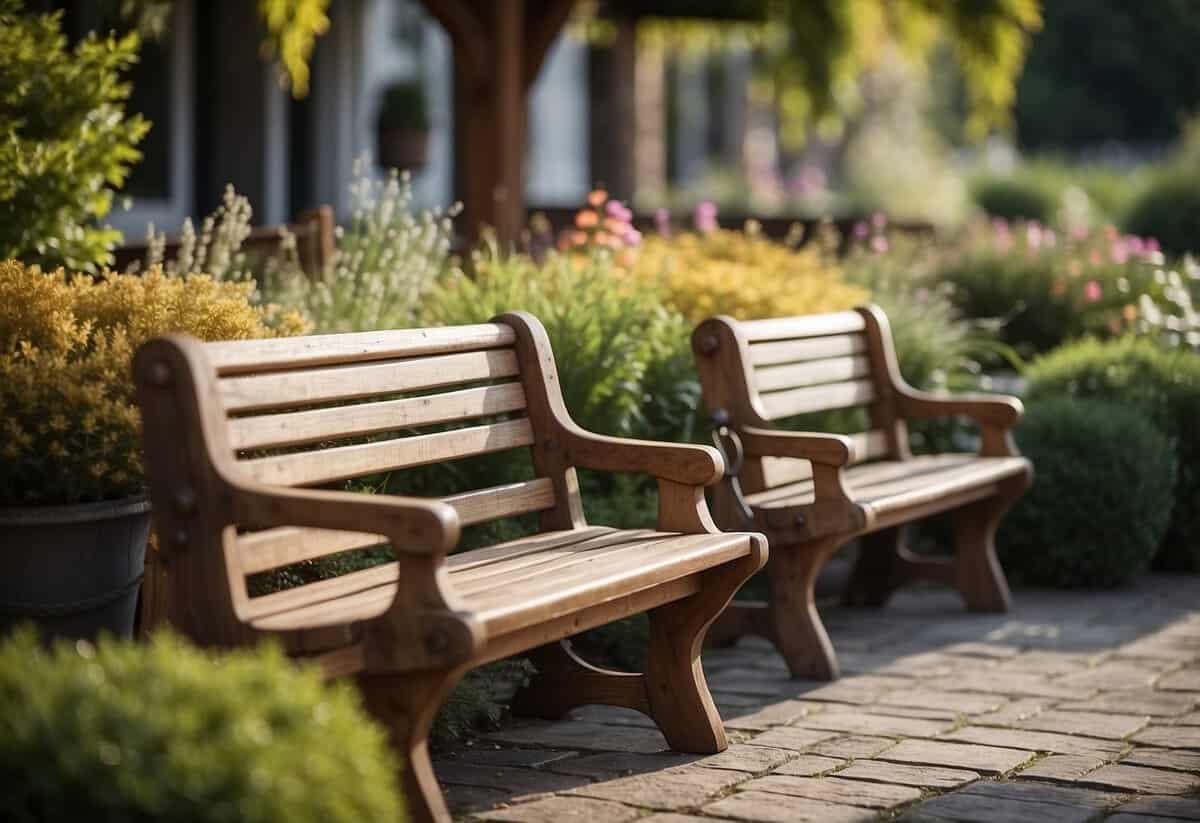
73, 570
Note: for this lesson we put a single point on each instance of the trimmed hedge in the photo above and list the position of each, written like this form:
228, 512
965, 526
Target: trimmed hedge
1169, 211
1161, 386
132, 733
1101, 497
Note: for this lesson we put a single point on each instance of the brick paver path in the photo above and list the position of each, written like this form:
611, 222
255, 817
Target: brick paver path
1072, 707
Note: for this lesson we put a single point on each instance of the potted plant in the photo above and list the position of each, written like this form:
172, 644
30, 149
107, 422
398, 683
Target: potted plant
74, 518
402, 126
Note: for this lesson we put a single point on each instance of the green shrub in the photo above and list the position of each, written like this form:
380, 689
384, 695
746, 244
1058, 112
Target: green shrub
1101, 496
1017, 197
65, 143
125, 732
1160, 385
1169, 210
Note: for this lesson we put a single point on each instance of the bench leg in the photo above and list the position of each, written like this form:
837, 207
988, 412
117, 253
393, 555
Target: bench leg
564, 680
406, 704
797, 629
680, 701
875, 575
978, 575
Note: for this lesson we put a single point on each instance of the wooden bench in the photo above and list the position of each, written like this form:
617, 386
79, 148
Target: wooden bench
812, 492
233, 432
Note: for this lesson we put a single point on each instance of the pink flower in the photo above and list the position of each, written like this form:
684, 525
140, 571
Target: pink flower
1092, 291
879, 244
1033, 236
861, 230
705, 216
1152, 245
879, 220
633, 237
1119, 253
616, 210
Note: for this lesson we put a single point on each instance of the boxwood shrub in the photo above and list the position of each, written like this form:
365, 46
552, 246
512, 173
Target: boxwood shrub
124, 732
1169, 210
1101, 496
1163, 387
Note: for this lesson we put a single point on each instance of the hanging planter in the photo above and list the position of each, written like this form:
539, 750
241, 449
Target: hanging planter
73, 570
402, 127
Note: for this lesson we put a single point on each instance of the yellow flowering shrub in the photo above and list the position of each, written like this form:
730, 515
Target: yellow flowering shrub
744, 274
68, 422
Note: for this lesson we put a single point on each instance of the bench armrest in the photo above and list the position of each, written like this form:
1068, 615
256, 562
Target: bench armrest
817, 447
414, 525
993, 410
682, 463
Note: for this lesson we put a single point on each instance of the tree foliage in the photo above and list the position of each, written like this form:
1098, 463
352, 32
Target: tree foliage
65, 142
826, 46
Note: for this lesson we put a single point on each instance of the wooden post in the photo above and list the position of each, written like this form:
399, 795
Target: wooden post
499, 48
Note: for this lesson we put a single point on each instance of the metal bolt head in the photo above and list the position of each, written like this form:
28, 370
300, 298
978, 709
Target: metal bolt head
708, 344
801, 520
436, 641
159, 374
185, 501
180, 537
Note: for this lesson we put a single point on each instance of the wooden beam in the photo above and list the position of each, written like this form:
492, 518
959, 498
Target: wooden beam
542, 28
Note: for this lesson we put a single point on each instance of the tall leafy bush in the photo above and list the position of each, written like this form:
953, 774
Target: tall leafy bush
65, 142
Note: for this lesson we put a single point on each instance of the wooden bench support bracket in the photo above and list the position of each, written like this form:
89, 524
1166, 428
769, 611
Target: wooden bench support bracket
565, 681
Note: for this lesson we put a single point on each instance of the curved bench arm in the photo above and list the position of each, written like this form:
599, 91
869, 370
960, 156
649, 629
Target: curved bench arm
995, 414
414, 525
690, 465
816, 447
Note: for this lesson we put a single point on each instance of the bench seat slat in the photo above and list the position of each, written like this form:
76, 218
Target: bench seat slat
893, 485
813, 348
240, 356
340, 422
260, 392
818, 398
814, 373
343, 462
537, 594
817, 325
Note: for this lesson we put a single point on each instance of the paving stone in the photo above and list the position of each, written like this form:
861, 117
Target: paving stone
556, 809
667, 790
1189, 719
577, 735
1182, 760
1013, 712
1142, 779
1037, 741
1049, 663
496, 756
1089, 724
985, 759
755, 682
926, 777
463, 799
876, 724
1183, 680
743, 758
1182, 808
1016, 684
810, 765
986, 802
856, 690
791, 737
964, 703
906, 711
1140, 701
1172, 737
514, 781
837, 790
1062, 768
991, 651
773, 714
930, 664
1114, 675
670, 817
613, 764
853, 746
613, 715
1138, 818
767, 807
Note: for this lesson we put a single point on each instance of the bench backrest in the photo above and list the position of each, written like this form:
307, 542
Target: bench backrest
309, 411
763, 371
